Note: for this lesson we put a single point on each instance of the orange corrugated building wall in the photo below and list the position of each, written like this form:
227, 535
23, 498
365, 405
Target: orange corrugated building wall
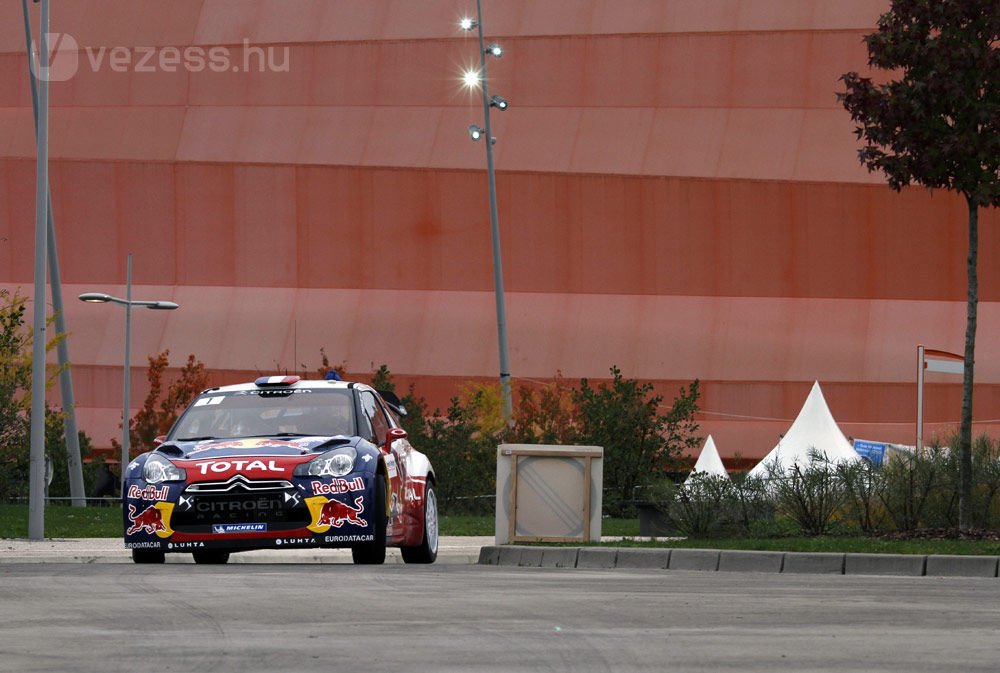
679, 195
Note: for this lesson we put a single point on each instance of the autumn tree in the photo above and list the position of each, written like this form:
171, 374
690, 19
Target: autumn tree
164, 404
934, 120
546, 414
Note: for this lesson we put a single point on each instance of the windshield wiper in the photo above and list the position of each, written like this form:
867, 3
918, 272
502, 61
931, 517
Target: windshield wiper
193, 439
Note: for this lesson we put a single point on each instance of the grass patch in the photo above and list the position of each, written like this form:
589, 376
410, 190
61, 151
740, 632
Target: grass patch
466, 525
64, 521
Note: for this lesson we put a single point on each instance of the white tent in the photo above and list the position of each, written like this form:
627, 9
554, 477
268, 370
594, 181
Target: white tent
814, 429
708, 462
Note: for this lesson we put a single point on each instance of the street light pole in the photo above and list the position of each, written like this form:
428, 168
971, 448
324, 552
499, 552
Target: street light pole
128, 303
36, 464
127, 383
505, 385
75, 465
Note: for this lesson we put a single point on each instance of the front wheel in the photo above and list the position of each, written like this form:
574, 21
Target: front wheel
213, 556
427, 550
373, 553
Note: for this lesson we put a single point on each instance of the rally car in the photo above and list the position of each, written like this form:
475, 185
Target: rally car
278, 463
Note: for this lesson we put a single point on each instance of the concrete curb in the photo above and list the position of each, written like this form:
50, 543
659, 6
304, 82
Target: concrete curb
451, 550
482, 551
715, 560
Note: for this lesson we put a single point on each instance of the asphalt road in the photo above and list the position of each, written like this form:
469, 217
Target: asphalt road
309, 617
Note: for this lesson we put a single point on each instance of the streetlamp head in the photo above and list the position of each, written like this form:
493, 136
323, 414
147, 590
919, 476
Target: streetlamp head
467, 24
163, 306
494, 50
95, 297
499, 102
475, 132
470, 78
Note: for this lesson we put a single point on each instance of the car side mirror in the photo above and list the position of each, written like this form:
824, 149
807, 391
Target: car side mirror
392, 435
159, 439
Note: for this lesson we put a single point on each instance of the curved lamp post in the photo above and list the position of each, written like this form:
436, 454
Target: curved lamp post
479, 79
128, 303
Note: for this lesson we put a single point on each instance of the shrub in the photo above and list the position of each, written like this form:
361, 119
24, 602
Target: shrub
862, 483
749, 507
640, 444
986, 482
810, 493
698, 506
909, 484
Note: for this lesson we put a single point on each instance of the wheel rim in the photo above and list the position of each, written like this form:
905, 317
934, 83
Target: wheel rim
431, 520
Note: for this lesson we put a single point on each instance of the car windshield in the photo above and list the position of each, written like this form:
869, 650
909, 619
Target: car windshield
267, 413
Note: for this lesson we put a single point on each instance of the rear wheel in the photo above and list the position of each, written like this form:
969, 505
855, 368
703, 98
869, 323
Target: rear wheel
427, 550
215, 556
373, 553
148, 556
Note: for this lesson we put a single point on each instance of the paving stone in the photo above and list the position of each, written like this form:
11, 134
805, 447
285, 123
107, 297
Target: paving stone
962, 566
694, 559
531, 557
751, 561
509, 556
596, 557
885, 564
559, 557
489, 556
817, 563
642, 558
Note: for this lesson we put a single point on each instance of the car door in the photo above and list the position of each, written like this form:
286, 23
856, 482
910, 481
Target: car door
395, 464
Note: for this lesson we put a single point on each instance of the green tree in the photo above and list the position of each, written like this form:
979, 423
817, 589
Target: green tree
464, 458
415, 422
936, 123
640, 444
16, 340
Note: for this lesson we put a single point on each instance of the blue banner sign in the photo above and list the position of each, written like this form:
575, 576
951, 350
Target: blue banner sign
872, 451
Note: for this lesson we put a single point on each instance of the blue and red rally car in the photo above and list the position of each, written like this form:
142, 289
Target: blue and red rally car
278, 463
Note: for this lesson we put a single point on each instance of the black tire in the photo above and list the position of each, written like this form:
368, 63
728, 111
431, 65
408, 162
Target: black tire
373, 553
148, 556
213, 556
427, 550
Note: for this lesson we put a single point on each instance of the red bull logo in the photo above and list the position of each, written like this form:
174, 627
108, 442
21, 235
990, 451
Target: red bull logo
149, 521
335, 513
338, 486
149, 493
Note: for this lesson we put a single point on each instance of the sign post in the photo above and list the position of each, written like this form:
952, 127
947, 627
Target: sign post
933, 361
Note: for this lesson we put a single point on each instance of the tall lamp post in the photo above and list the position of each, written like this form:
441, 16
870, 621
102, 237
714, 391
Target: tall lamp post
36, 465
128, 303
479, 79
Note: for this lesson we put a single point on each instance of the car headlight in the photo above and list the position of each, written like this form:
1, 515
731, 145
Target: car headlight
158, 469
334, 463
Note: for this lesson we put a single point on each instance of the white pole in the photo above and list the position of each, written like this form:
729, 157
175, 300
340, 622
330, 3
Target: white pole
920, 400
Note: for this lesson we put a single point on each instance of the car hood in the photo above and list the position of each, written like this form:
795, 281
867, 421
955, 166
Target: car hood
253, 446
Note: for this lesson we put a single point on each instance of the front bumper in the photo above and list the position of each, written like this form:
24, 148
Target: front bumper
244, 513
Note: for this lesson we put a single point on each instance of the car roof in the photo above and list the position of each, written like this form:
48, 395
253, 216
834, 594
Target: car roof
287, 384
